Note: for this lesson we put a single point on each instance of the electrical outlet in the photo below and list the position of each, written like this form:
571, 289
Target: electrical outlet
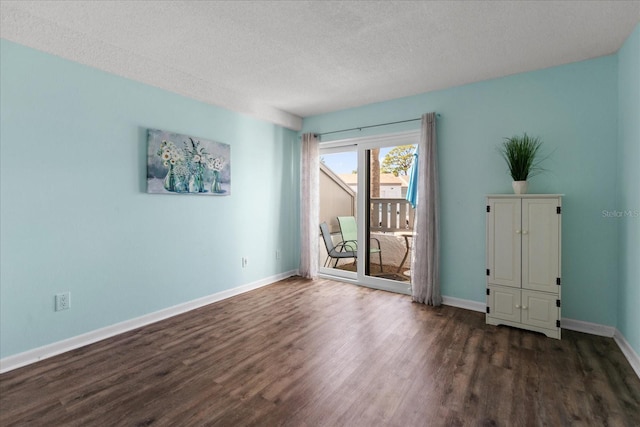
63, 301
245, 261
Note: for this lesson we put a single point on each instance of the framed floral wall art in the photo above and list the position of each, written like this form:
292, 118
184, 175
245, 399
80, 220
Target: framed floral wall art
182, 164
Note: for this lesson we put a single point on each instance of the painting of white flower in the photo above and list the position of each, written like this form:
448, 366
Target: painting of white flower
183, 164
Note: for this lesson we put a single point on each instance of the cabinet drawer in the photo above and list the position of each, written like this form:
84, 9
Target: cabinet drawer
539, 309
504, 303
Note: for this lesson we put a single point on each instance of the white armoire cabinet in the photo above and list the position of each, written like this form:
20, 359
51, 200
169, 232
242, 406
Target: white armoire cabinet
523, 261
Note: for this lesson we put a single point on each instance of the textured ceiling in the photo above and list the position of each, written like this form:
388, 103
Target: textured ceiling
280, 61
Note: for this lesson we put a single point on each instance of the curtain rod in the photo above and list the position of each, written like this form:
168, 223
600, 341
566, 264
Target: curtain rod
371, 126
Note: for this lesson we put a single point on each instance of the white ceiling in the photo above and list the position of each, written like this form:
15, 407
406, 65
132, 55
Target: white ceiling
283, 60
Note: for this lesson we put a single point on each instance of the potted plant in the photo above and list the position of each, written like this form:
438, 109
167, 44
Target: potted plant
521, 154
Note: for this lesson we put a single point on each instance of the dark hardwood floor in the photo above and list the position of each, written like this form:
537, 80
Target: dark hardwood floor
324, 353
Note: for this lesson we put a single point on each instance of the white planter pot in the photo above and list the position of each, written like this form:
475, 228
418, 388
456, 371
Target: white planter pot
519, 187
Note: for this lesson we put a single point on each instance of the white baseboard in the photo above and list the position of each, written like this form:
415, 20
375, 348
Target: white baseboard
628, 351
464, 303
588, 327
31, 356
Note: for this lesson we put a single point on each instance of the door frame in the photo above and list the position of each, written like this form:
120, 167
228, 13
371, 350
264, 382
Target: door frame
362, 144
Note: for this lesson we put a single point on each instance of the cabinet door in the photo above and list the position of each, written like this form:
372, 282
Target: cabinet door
540, 244
504, 303
503, 242
539, 309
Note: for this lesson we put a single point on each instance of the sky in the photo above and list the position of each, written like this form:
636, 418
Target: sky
347, 162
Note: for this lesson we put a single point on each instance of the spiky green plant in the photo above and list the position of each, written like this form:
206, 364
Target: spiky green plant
521, 154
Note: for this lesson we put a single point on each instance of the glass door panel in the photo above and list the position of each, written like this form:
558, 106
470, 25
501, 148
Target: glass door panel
338, 198
389, 229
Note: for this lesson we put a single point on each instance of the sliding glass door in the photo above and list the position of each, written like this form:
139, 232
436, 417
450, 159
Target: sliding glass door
363, 184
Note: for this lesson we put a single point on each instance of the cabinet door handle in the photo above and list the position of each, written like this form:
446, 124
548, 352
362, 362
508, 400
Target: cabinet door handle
517, 305
524, 307
518, 231
525, 232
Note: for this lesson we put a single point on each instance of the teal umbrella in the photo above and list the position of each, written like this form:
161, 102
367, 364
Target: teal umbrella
412, 189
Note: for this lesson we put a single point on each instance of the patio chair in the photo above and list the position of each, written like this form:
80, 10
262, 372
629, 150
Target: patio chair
349, 231
336, 252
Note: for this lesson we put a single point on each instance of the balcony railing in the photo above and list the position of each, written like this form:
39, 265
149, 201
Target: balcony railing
391, 215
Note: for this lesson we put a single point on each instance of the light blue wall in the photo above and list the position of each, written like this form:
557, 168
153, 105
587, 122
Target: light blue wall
573, 108
629, 189
75, 215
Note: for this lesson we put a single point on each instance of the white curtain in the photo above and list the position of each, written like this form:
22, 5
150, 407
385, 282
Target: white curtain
309, 206
425, 260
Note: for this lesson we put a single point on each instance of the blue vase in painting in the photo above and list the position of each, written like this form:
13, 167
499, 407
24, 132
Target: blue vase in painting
215, 184
170, 179
195, 179
199, 180
175, 181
